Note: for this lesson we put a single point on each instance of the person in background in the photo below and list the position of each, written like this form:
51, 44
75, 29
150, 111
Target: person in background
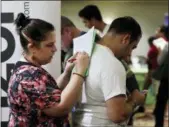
132, 87
162, 32
35, 98
161, 74
152, 55
104, 96
68, 32
91, 16
151, 61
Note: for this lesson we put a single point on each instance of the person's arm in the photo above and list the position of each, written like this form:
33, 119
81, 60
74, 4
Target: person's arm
132, 86
118, 109
114, 90
68, 98
71, 92
63, 80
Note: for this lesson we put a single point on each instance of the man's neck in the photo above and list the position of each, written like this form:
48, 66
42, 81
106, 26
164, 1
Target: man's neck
107, 44
76, 32
101, 26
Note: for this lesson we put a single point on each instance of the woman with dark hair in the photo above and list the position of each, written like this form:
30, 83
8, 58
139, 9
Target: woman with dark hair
35, 99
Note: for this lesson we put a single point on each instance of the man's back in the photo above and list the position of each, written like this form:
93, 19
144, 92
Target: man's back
106, 79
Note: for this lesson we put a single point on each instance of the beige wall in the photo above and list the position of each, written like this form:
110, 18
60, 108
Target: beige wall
149, 14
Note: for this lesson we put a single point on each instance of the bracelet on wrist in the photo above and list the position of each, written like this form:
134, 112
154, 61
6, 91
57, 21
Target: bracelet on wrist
79, 75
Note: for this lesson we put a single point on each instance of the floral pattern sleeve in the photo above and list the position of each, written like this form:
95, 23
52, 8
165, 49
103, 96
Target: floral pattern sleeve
32, 89
42, 90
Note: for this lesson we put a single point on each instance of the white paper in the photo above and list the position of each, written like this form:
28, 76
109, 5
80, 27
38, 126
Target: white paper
84, 42
160, 43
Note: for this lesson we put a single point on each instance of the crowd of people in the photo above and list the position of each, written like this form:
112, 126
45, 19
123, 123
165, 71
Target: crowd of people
108, 96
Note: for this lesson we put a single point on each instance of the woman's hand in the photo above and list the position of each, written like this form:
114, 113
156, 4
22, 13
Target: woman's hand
70, 64
81, 63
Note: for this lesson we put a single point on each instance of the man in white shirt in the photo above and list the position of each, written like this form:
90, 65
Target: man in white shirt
103, 102
91, 16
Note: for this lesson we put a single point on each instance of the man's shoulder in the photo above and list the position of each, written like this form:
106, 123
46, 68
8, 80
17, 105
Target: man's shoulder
104, 53
106, 57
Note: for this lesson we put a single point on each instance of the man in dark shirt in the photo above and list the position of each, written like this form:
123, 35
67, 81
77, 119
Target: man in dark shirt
68, 32
132, 86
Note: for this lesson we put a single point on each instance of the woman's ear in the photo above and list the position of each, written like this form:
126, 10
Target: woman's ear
30, 45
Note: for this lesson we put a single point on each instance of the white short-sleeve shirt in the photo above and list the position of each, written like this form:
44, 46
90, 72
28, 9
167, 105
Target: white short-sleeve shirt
105, 30
106, 79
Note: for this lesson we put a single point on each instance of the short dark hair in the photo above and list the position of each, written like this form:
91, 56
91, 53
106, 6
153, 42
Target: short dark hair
126, 24
164, 29
35, 29
151, 39
89, 12
66, 22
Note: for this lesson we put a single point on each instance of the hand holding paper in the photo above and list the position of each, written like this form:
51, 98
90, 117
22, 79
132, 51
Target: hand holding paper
85, 43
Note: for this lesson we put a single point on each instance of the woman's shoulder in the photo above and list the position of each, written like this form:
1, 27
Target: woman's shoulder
30, 75
25, 67
28, 72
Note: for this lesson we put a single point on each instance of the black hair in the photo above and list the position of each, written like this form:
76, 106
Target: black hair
150, 40
126, 24
35, 29
89, 12
164, 30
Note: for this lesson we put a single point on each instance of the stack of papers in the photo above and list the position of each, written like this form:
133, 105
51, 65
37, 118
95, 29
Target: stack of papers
85, 43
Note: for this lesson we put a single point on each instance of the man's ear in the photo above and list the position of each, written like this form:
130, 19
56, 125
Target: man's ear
126, 39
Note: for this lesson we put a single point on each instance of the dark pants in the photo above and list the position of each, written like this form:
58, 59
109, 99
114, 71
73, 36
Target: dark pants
162, 98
